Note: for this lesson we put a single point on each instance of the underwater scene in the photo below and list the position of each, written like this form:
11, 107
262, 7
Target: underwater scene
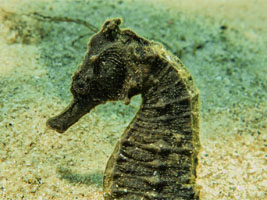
133, 99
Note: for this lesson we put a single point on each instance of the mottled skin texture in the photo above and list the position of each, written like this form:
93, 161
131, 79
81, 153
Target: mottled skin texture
156, 157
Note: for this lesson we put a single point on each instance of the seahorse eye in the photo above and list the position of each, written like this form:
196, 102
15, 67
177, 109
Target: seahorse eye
80, 85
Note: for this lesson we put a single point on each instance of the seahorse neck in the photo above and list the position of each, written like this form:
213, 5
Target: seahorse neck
169, 102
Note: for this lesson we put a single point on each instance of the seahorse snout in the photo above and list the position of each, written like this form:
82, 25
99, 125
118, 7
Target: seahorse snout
70, 115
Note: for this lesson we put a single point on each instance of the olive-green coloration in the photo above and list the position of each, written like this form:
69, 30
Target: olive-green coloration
156, 157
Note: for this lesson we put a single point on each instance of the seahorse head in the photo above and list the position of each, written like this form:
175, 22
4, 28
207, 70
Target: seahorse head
115, 67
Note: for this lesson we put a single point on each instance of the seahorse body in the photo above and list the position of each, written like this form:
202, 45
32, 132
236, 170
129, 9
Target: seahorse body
156, 157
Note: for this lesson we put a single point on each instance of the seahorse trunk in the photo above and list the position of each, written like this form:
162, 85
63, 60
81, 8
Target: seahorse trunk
156, 157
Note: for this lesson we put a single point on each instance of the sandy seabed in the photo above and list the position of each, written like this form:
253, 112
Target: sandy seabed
37, 163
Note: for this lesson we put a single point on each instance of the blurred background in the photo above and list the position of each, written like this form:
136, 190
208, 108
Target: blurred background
222, 43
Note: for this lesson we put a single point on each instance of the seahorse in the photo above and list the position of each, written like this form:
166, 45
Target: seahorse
156, 156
